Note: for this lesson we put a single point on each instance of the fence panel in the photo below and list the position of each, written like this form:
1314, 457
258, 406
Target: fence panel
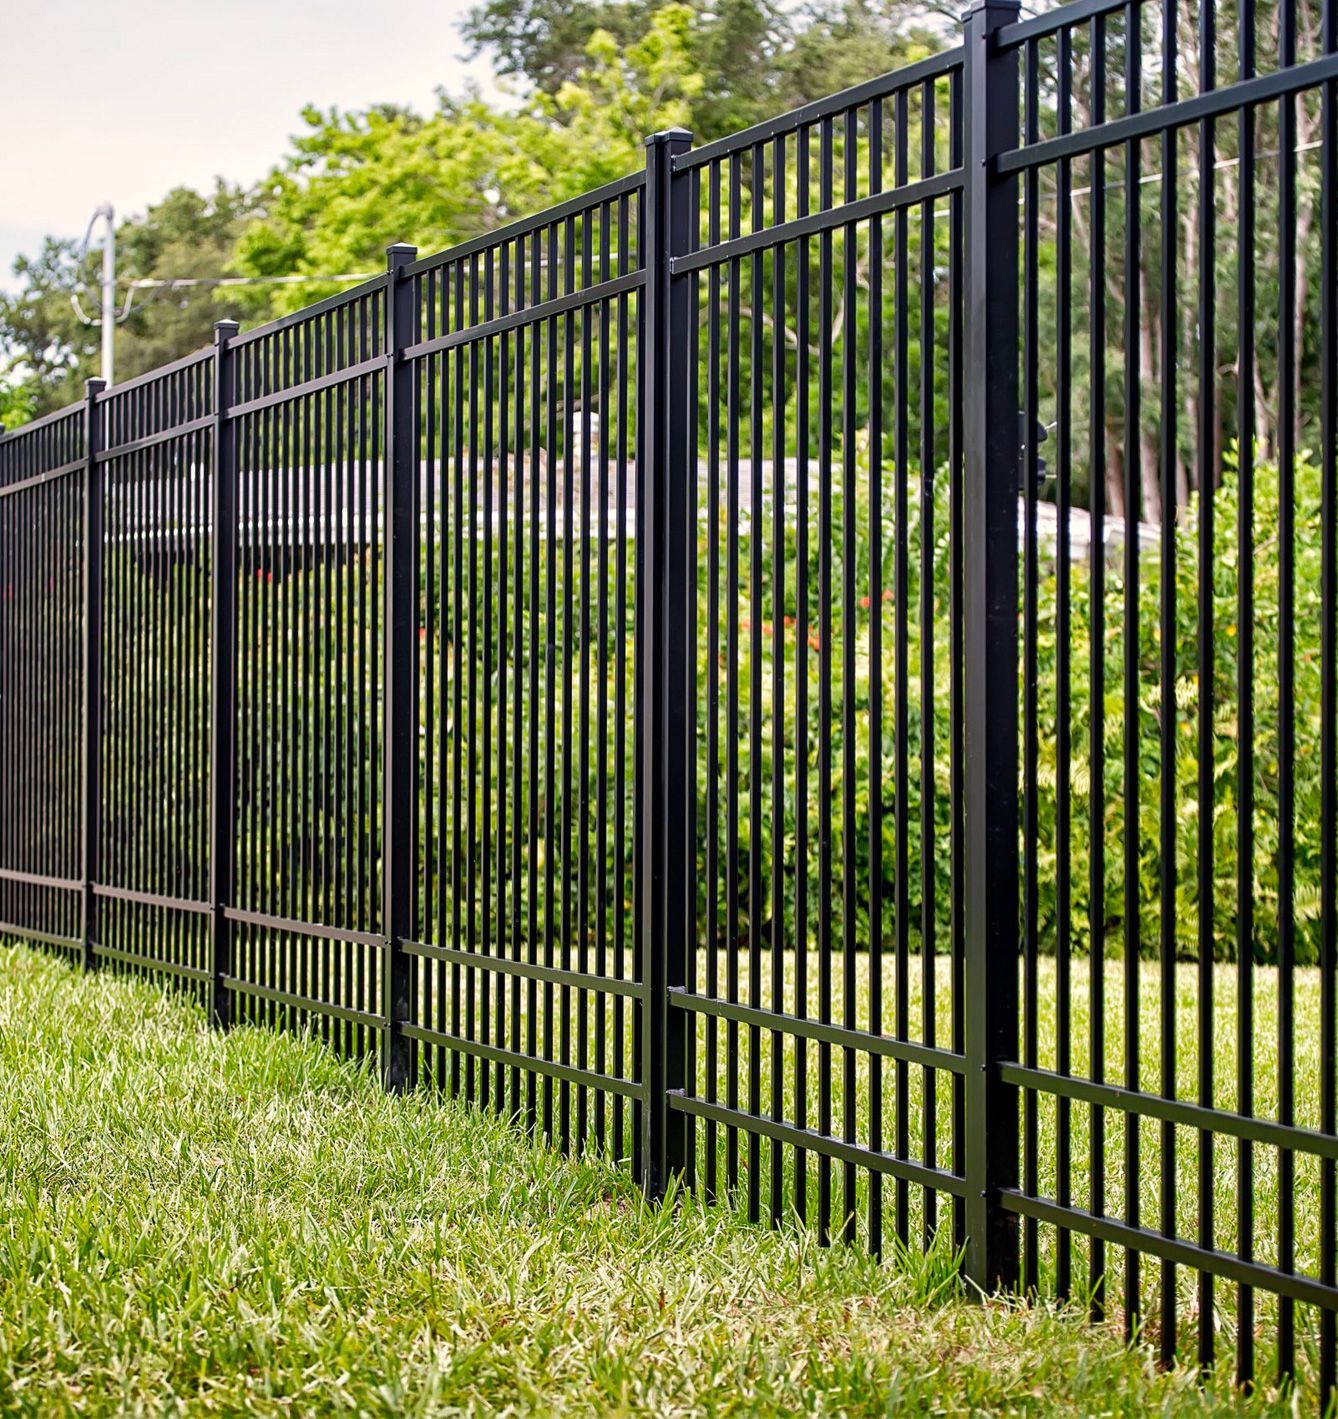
42, 477
825, 992
150, 871
1178, 767
528, 383
307, 412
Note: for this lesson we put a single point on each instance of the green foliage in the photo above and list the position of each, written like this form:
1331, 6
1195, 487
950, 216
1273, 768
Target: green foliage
595, 79
18, 395
356, 181
40, 332
805, 641
543, 42
798, 639
601, 78
187, 234
756, 58
1180, 700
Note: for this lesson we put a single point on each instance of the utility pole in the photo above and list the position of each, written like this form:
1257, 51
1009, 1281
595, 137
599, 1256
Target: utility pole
108, 322
108, 292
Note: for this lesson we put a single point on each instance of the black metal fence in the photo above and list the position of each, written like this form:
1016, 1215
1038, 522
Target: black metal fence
636, 669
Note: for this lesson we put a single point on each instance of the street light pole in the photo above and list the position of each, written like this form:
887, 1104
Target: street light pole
108, 292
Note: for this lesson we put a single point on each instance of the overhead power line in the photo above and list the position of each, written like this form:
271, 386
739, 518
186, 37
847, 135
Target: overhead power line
172, 283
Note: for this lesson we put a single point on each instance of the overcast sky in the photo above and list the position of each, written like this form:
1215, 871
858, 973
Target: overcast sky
119, 103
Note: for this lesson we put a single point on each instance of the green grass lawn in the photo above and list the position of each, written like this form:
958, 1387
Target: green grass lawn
194, 1222
725, 1074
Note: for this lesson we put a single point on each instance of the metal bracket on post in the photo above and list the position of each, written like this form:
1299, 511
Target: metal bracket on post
666, 745
223, 677
400, 533
989, 515
92, 665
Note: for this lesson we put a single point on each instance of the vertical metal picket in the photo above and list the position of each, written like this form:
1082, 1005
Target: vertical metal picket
94, 418
223, 682
667, 776
400, 544
991, 451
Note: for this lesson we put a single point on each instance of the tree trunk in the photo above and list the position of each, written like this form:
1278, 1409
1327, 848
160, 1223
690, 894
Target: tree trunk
1114, 472
1147, 441
1263, 425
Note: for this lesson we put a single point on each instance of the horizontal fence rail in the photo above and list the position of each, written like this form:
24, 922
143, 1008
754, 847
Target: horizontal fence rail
811, 668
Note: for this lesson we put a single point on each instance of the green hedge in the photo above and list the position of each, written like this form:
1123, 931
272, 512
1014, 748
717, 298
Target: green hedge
781, 642
789, 639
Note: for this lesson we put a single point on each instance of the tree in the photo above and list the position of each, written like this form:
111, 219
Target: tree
834, 50
41, 332
1182, 256
543, 42
756, 58
597, 77
357, 181
188, 235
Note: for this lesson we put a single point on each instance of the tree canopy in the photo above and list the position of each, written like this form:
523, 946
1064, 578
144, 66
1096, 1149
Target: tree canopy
590, 80
754, 58
47, 351
356, 181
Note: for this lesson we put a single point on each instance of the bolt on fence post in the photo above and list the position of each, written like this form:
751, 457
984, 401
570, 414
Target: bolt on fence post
223, 680
990, 492
667, 779
94, 419
399, 531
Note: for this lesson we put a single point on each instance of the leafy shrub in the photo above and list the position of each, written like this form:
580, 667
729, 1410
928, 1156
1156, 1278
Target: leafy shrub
791, 638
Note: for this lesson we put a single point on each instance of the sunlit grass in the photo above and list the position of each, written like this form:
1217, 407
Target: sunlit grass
206, 1223
736, 1066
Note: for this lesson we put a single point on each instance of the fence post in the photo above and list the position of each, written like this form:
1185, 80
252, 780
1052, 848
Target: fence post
223, 681
400, 541
94, 418
667, 780
990, 492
